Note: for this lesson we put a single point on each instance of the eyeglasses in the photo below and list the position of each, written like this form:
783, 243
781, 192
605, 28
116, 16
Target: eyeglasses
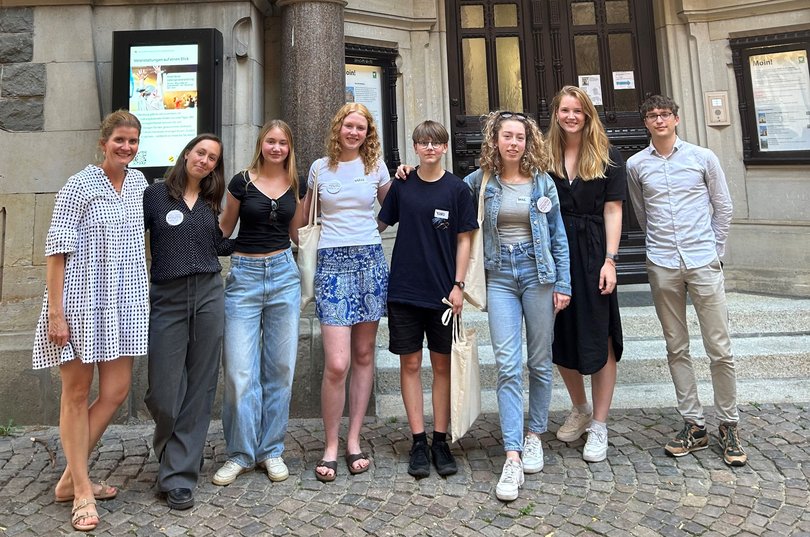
507, 115
273, 210
654, 117
434, 145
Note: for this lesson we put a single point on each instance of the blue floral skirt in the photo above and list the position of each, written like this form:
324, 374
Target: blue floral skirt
351, 285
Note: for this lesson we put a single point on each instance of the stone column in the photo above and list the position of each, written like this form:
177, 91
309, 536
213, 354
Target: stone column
313, 77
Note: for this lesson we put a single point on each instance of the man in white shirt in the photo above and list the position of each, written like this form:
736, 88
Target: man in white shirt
681, 199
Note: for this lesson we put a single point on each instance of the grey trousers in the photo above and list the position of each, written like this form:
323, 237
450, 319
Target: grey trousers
705, 286
186, 323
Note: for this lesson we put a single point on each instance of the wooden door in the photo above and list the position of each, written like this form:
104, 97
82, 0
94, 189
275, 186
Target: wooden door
515, 55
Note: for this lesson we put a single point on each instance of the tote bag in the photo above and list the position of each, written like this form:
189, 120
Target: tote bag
475, 284
308, 237
465, 380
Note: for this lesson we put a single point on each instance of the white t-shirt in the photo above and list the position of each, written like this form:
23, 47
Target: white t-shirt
346, 202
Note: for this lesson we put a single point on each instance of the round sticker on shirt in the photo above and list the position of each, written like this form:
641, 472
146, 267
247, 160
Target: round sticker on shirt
333, 187
544, 204
174, 217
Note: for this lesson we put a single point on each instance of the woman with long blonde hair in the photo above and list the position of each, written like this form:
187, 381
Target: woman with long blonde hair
262, 308
351, 277
590, 179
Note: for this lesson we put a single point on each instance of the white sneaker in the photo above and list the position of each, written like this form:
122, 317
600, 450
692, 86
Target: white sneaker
596, 447
228, 473
276, 469
575, 425
511, 480
532, 454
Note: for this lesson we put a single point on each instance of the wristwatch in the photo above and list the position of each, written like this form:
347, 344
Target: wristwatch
612, 257
460, 285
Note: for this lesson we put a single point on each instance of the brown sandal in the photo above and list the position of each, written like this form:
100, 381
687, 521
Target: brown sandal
330, 465
353, 458
108, 492
84, 510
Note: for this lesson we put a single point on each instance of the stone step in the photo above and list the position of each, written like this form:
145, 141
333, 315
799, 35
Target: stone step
654, 395
749, 315
777, 359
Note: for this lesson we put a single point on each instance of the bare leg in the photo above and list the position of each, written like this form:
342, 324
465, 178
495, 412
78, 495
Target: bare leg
364, 335
574, 384
73, 426
336, 348
114, 381
410, 379
441, 391
603, 383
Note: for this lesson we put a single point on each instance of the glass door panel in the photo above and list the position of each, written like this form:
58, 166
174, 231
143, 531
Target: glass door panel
510, 82
622, 61
476, 89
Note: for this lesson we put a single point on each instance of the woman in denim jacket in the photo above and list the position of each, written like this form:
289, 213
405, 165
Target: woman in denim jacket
527, 271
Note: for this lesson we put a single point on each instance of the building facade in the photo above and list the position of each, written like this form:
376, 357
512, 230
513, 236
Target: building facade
447, 60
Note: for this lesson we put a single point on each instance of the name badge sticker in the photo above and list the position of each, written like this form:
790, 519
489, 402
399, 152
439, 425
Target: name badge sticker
359, 180
174, 217
439, 213
524, 200
333, 187
544, 204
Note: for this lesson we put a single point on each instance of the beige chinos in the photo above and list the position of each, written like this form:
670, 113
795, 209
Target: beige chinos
705, 286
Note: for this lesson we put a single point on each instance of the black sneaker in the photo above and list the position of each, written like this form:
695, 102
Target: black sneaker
419, 464
691, 438
733, 452
443, 460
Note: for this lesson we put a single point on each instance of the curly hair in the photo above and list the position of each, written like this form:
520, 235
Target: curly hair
534, 158
594, 154
212, 187
289, 163
370, 150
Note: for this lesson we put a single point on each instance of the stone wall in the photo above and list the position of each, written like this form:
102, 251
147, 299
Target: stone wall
766, 251
22, 82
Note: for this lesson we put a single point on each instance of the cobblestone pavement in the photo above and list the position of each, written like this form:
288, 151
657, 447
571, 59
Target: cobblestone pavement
638, 491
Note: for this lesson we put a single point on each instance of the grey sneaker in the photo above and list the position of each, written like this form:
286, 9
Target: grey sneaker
511, 480
733, 453
575, 425
691, 438
532, 454
228, 473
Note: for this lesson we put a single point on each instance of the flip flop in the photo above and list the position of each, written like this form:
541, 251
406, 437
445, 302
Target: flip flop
353, 458
82, 512
331, 465
108, 492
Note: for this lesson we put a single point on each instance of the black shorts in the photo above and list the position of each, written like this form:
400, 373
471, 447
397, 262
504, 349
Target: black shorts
408, 325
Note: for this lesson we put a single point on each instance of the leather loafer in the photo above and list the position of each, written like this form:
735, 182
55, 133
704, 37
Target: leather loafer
180, 499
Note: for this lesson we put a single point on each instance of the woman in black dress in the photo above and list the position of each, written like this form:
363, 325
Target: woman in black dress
590, 179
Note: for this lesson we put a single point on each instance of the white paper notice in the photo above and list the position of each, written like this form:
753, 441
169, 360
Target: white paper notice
624, 80
781, 85
364, 85
592, 85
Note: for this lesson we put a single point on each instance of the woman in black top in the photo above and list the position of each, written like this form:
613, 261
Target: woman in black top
187, 312
590, 179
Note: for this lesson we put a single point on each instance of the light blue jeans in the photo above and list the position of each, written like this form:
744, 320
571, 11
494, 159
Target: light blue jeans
514, 293
262, 303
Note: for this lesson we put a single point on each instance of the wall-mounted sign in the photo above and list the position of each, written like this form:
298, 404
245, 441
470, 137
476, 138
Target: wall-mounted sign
773, 88
172, 81
781, 84
364, 85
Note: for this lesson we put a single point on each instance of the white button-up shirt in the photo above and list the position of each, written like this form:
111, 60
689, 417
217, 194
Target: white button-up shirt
682, 203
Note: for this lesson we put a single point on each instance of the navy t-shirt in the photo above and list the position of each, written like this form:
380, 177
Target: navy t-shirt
430, 217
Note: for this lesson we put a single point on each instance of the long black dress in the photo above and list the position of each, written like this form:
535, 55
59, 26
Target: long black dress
581, 330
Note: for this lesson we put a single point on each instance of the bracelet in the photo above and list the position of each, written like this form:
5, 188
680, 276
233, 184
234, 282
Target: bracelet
609, 260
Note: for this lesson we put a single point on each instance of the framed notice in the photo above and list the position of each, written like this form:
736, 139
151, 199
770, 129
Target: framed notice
371, 79
773, 83
172, 81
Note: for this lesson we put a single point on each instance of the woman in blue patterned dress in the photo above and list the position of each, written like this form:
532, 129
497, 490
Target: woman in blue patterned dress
351, 277
95, 312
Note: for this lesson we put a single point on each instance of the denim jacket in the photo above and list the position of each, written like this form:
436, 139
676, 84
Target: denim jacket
548, 230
